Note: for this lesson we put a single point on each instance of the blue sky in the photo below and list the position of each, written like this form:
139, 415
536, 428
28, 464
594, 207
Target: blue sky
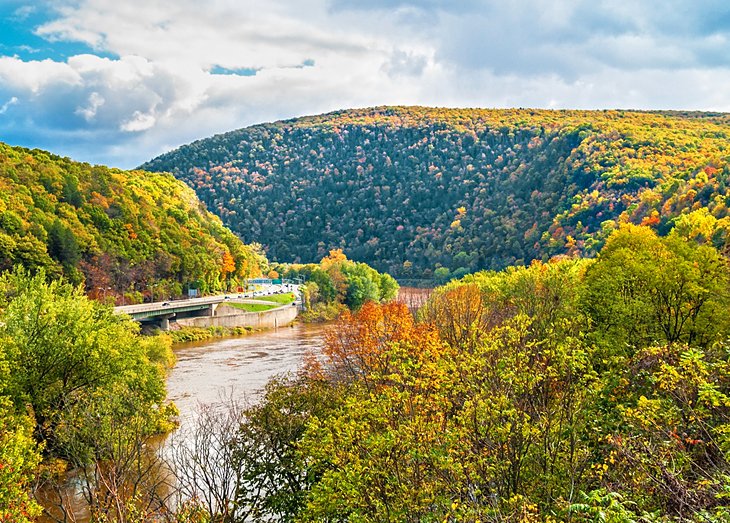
18, 22
119, 82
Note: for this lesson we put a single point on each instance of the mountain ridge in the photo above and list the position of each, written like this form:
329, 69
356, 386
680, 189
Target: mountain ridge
416, 190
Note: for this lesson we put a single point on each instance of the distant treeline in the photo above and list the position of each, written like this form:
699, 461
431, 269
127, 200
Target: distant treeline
336, 284
437, 193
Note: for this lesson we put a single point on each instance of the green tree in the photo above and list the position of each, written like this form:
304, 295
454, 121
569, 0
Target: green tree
388, 288
442, 275
310, 294
324, 282
644, 289
64, 349
62, 244
360, 289
19, 457
275, 476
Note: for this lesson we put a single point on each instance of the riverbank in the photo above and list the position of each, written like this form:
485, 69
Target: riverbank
322, 313
188, 334
235, 323
227, 316
207, 372
414, 298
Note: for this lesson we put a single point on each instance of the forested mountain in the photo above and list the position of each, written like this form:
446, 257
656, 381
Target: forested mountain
119, 232
426, 191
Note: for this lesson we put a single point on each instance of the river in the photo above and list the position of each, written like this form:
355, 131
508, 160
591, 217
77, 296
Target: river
208, 372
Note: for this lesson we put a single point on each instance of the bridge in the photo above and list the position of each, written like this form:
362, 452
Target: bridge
163, 311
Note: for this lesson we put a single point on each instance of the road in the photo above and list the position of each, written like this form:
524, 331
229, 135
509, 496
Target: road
206, 300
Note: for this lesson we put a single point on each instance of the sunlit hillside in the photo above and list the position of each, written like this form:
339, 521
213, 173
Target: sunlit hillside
426, 191
118, 232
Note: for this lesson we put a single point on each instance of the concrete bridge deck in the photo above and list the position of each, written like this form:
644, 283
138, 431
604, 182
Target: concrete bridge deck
162, 312
163, 308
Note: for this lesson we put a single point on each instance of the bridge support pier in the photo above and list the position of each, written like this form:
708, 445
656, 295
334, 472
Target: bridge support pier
165, 322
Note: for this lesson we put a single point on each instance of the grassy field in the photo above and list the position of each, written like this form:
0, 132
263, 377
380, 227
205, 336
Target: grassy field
252, 307
283, 299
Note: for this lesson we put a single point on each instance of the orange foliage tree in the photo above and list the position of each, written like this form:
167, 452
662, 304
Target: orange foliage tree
459, 313
228, 264
357, 349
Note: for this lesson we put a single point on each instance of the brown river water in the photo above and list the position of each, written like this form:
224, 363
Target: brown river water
208, 372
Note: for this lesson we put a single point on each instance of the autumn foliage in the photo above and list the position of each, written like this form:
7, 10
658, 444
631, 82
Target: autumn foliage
434, 193
358, 348
337, 283
574, 390
124, 235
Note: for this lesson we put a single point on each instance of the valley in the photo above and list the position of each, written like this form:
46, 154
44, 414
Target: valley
572, 350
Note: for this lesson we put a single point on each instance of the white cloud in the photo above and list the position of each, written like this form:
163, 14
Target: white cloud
4, 108
138, 122
23, 12
155, 90
89, 111
33, 76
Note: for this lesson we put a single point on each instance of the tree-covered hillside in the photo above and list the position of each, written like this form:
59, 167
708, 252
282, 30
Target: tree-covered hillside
577, 390
119, 232
424, 192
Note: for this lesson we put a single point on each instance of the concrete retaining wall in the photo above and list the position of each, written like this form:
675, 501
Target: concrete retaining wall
226, 316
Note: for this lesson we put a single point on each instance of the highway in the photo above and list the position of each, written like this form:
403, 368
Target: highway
172, 305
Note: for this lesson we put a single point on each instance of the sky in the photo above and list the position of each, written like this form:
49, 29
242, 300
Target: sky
119, 82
